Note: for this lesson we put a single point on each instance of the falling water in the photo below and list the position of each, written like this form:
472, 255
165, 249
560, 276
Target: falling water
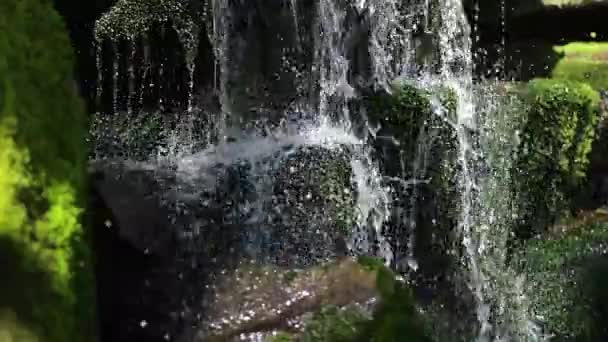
147, 65
485, 149
330, 61
115, 73
391, 43
392, 31
99, 65
131, 72
222, 20
296, 25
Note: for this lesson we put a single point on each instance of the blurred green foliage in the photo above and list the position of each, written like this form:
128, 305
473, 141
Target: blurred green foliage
559, 127
48, 285
567, 278
583, 62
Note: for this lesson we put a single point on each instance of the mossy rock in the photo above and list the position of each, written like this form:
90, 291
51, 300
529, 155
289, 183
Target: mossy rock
314, 203
393, 318
49, 289
567, 277
425, 151
415, 116
559, 128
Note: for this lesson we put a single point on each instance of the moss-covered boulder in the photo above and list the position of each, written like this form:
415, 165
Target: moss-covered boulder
422, 150
567, 277
559, 127
422, 159
47, 286
313, 206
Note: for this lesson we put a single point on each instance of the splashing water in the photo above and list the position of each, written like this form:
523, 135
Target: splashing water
483, 147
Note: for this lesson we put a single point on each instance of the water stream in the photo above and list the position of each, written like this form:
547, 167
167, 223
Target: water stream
394, 52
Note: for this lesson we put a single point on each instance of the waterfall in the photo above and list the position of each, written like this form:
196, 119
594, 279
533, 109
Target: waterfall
294, 10
330, 61
190, 163
486, 147
221, 38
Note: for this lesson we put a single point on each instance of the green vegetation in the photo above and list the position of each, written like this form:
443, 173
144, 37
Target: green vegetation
558, 131
47, 285
333, 324
408, 115
567, 278
395, 317
583, 62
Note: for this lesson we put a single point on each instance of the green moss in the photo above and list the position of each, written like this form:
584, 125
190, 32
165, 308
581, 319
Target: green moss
333, 324
415, 116
567, 278
394, 319
558, 132
42, 176
335, 186
402, 112
370, 263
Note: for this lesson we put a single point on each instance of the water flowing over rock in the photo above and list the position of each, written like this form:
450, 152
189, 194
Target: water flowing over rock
288, 169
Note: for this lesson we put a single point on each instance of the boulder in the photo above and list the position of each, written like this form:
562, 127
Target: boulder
346, 300
313, 207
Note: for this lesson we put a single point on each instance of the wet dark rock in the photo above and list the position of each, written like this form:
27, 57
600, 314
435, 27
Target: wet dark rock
158, 255
314, 206
137, 291
135, 203
262, 299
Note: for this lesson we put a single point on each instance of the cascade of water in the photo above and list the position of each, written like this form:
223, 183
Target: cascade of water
333, 67
161, 75
503, 35
390, 43
187, 32
485, 147
483, 143
115, 74
131, 75
456, 67
296, 24
330, 61
147, 65
99, 66
222, 19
